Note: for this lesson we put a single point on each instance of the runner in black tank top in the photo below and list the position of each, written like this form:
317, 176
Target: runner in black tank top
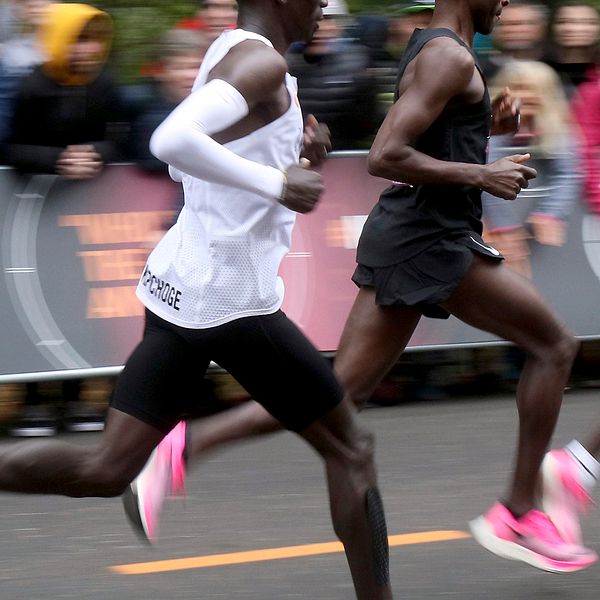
421, 253
423, 235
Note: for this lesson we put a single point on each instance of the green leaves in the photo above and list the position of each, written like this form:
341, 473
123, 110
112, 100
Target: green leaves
138, 26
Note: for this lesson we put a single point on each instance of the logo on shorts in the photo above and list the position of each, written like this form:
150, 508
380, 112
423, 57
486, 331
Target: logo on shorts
488, 248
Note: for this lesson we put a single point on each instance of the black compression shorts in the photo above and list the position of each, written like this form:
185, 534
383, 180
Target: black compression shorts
267, 355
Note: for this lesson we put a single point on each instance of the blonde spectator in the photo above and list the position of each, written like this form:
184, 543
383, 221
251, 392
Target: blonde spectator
547, 133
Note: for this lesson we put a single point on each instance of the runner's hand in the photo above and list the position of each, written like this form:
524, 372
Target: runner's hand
303, 188
506, 177
317, 141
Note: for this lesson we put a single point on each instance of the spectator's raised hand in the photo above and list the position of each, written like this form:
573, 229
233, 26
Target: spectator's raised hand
513, 244
506, 110
548, 229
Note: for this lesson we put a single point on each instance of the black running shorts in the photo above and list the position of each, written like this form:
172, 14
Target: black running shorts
268, 355
428, 279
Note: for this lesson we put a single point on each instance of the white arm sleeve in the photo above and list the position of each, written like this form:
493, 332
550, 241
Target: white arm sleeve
175, 174
183, 141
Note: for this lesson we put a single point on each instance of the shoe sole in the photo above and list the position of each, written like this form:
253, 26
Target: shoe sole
484, 535
132, 511
554, 499
84, 427
33, 432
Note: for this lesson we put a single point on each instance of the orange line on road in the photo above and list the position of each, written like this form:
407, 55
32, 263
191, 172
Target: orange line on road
237, 558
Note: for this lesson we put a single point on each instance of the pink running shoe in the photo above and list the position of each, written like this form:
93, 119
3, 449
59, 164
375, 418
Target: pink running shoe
532, 539
564, 496
162, 476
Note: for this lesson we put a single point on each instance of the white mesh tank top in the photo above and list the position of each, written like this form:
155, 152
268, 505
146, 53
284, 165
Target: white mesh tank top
220, 260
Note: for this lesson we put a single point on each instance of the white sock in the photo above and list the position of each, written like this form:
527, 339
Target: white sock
591, 467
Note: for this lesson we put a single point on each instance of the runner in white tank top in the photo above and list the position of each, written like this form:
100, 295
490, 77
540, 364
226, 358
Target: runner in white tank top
220, 260
211, 287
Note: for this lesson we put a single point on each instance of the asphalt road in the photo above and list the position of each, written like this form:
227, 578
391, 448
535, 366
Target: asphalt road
440, 465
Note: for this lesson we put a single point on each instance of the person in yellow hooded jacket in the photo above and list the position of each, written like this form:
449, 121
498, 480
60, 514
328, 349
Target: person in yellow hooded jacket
64, 110
64, 116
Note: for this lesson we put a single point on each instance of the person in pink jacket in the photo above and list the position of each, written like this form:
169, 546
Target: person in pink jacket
586, 109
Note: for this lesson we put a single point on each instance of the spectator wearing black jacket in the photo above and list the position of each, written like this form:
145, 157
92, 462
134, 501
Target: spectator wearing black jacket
66, 111
334, 82
64, 122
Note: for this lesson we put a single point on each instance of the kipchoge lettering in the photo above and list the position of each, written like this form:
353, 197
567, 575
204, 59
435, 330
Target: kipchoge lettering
162, 289
117, 268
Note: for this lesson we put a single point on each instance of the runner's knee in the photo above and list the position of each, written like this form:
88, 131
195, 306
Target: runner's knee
359, 451
357, 396
562, 353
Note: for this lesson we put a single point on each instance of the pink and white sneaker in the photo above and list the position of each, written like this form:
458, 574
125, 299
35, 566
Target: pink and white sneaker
532, 539
162, 476
564, 496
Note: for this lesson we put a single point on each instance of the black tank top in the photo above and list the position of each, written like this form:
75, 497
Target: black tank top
409, 219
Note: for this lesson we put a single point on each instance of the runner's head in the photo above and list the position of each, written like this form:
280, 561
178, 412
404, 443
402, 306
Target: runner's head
486, 13
298, 19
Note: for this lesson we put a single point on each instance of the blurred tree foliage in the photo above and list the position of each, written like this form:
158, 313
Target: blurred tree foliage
138, 25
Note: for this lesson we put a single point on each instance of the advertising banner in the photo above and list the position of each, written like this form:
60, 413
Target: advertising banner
72, 253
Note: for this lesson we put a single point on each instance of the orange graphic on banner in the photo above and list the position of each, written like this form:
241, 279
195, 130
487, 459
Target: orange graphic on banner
117, 228
134, 232
334, 230
113, 265
111, 302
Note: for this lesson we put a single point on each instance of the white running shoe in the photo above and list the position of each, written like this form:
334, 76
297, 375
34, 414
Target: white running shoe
564, 496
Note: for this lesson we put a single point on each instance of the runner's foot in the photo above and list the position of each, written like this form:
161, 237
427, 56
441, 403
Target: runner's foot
162, 476
532, 539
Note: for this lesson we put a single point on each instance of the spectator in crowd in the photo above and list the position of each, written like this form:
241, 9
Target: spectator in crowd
404, 20
20, 51
386, 38
334, 82
519, 35
66, 110
6, 21
575, 33
213, 17
180, 53
63, 124
586, 111
547, 133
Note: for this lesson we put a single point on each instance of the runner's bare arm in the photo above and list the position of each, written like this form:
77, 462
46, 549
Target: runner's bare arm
444, 74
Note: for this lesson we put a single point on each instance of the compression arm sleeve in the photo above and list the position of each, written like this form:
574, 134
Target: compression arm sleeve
184, 142
175, 174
